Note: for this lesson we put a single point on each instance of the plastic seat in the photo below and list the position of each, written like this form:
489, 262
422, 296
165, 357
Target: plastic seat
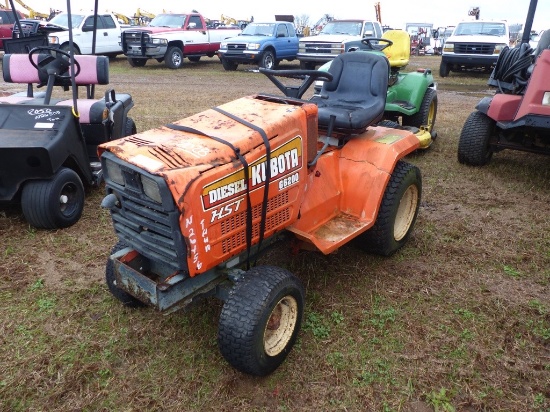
356, 96
399, 52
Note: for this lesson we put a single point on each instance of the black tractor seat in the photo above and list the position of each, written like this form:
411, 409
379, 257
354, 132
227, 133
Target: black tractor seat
356, 96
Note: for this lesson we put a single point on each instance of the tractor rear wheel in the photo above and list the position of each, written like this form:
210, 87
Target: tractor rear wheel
426, 114
110, 278
397, 213
54, 203
261, 319
473, 145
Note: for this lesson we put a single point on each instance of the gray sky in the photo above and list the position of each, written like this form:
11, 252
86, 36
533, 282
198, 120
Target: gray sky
395, 13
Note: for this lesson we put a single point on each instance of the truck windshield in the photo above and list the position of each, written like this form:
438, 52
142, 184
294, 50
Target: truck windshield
487, 28
259, 29
63, 20
352, 28
174, 21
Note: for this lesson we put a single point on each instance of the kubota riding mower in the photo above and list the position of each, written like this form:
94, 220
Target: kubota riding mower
193, 203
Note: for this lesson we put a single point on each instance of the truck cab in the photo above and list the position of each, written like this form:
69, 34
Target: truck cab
107, 36
337, 37
474, 45
7, 21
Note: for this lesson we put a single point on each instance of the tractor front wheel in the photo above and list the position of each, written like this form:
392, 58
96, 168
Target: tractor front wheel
55, 203
474, 143
426, 114
397, 213
261, 319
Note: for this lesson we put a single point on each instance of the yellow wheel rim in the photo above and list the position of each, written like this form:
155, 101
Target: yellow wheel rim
405, 213
280, 326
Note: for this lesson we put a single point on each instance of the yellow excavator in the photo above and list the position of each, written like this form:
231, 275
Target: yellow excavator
230, 21
32, 14
142, 17
121, 17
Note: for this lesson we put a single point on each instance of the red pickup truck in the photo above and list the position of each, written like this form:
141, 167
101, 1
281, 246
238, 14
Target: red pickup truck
170, 37
7, 20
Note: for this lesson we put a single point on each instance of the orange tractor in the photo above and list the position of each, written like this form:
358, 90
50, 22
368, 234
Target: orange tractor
195, 202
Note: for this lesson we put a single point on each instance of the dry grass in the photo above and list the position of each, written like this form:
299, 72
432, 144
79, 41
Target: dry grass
459, 319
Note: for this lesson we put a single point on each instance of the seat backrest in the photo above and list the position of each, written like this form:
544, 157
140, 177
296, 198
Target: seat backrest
17, 68
357, 93
399, 52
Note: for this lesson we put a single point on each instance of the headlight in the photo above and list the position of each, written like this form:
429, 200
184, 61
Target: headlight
114, 172
253, 46
223, 45
498, 48
546, 99
151, 189
449, 47
53, 40
159, 41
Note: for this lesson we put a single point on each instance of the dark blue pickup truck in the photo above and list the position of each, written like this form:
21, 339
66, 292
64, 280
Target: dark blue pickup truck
264, 44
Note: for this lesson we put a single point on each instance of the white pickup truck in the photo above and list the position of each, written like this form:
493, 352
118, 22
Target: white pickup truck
107, 34
474, 45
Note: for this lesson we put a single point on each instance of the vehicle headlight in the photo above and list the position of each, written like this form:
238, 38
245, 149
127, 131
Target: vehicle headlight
223, 45
151, 189
498, 48
449, 47
546, 99
161, 42
114, 172
253, 46
53, 39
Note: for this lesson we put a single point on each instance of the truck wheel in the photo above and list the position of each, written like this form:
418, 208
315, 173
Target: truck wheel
473, 145
228, 65
398, 211
54, 203
110, 278
427, 112
65, 47
194, 58
261, 319
173, 59
130, 127
268, 60
444, 69
307, 66
136, 62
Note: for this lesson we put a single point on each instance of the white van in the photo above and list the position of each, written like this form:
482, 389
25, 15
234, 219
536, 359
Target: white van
474, 45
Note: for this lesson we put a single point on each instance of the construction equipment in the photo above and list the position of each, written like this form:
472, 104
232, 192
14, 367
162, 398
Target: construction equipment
196, 202
122, 18
517, 117
33, 14
142, 17
230, 21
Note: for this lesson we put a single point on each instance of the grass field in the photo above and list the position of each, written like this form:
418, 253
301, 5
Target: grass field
457, 320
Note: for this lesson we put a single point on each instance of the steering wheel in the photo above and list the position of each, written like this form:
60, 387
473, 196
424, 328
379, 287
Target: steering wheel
367, 42
54, 64
307, 77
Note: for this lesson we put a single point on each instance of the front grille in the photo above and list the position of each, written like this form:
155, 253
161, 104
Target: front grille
474, 48
238, 221
136, 36
236, 47
321, 47
150, 228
